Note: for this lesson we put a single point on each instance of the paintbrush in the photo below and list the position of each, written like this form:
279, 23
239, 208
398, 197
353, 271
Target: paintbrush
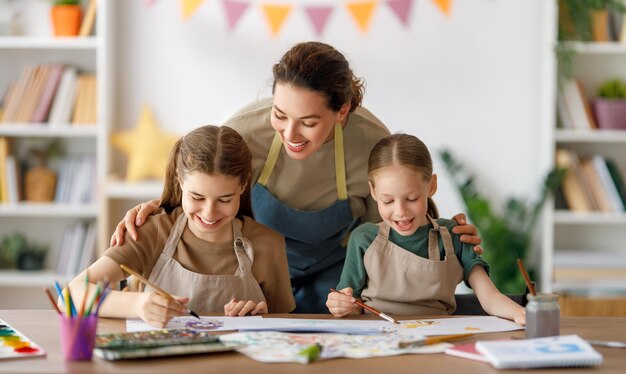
432, 340
371, 309
157, 289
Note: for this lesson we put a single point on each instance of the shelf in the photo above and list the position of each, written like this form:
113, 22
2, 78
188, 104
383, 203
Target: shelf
134, 191
608, 48
590, 136
30, 42
46, 130
50, 210
591, 287
566, 217
36, 278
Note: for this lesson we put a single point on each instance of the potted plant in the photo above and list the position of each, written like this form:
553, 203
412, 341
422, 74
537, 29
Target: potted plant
610, 105
508, 236
16, 252
39, 180
65, 16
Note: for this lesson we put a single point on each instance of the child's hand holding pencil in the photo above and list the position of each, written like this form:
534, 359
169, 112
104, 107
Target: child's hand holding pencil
341, 303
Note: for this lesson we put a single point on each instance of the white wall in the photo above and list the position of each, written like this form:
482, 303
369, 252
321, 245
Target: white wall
474, 82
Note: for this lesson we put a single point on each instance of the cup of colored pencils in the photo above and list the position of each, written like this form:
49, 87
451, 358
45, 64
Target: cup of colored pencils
78, 323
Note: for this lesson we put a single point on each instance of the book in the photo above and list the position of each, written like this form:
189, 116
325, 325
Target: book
600, 166
45, 102
596, 187
573, 189
616, 175
62, 106
576, 102
468, 351
86, 27
553, 351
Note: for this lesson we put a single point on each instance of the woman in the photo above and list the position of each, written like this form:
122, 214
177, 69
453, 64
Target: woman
310, 144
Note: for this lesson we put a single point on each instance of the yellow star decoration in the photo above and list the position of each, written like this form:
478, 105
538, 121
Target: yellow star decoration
147, 148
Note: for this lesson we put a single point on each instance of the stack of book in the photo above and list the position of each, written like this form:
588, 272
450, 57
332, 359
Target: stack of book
77, 248
573, 107
51, 93
591, 184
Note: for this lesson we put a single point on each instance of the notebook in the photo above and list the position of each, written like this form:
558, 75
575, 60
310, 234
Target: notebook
466, 351
142, 344
554, 351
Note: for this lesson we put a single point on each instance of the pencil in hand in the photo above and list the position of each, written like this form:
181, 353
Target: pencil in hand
371, 309
157, 289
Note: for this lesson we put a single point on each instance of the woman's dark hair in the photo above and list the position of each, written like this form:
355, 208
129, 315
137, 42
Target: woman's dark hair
210, 150
321, 68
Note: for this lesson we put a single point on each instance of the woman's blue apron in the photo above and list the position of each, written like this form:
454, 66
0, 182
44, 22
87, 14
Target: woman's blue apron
314, 238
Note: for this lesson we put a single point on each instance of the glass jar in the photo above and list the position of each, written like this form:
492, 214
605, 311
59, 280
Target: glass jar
543, 315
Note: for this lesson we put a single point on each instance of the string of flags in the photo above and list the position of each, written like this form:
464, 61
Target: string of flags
276, 14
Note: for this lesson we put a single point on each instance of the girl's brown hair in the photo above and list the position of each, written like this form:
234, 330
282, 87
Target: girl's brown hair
319, 67
210, 150
405, 150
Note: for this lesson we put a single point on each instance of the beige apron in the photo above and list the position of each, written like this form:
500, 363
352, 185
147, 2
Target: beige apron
207, 293
401, 282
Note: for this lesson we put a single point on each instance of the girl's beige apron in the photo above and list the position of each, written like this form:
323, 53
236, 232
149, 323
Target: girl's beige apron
401, 282
207, 293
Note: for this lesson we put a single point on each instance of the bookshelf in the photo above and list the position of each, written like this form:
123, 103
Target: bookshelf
46, 223
584, 252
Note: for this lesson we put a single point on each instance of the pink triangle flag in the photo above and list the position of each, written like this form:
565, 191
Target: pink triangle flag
318, 16
234, 11
402, 9
148, 2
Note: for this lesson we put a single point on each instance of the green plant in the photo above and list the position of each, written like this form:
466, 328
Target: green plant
17, 252
613, 89
505, 237
575, 17
66, 2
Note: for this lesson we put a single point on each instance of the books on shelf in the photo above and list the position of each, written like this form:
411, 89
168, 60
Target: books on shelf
77, 248
76, 180
573, 106
86, 26
591, 183
51, 93
587, 266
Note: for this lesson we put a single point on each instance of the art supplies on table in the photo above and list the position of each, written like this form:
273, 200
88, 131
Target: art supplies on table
448, 326
430, 340
202, 324
272, 346
468, 351
14, 344
371, 309
128, 345
555, 351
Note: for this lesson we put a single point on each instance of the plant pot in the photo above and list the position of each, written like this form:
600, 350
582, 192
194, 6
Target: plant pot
65, 19
610, 114
29, 260
40, 184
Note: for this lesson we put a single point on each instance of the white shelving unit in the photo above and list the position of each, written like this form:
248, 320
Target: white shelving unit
43, 223
593, 235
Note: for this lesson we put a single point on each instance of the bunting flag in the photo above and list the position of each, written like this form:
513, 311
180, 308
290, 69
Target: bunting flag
318, 15
445, 6
402, 9
276, 14
189, 7
362, 13
149, 2
234, 11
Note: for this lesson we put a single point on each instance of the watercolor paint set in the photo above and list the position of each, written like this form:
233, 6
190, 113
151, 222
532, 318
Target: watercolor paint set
14, 344
144, 344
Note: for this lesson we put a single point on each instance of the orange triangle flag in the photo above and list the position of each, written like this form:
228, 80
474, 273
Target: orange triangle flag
444, 5
362, 13
276, 14
189, 7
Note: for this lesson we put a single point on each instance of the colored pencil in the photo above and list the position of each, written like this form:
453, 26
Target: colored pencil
95, 297
531, 288
54, 303
371, 309
82, 307
156, 289
432, 340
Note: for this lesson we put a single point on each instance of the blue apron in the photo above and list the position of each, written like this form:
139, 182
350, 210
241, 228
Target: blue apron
313, 238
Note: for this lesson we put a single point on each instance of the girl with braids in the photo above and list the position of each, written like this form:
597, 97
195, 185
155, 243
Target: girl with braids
410, 263
202, 246
309, 142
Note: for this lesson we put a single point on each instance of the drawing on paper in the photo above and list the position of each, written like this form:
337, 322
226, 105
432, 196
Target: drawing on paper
204, 324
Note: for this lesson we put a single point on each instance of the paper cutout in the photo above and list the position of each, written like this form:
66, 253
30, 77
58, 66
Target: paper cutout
445, 6
276, 14
362, 13
189, 7
147, 148
402, 9
270, 346
234, 11
318, 15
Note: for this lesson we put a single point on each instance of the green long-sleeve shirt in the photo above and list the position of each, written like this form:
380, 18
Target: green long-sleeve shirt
354, 273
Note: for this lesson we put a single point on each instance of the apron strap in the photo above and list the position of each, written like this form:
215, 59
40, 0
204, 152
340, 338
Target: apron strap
433, 240
383, 230
271, 160
177, 231
243, 250
340, 165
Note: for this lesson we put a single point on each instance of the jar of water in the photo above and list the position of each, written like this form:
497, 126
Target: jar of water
543, 315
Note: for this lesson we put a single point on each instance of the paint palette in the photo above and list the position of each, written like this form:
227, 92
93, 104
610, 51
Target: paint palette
125, 345
14, 344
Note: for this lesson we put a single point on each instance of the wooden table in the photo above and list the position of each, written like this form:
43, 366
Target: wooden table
42, 327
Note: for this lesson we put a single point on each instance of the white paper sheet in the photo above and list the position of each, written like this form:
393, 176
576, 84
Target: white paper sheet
205, 323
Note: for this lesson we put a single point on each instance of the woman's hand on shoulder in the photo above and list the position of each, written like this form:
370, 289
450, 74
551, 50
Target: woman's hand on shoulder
157, 311
468, 232
136, 216
241, 308
341, 304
